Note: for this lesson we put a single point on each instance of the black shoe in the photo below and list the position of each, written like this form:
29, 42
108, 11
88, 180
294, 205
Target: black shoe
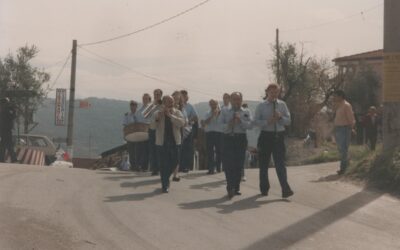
238, 193
185, 171
176, 179
231, 193
340, 172
210, 172
218, 170
286, 194
154, 173
264, 193
165, 190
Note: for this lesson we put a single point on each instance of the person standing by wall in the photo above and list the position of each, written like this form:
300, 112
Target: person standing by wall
371, 123
7, 118
344, 125
235, 121
271, 117
168, 123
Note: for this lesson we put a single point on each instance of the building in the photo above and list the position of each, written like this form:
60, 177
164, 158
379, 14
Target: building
351, 63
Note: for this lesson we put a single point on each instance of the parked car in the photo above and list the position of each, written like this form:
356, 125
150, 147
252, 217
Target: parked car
37, 142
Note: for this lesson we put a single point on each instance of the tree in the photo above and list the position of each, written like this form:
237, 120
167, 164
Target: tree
307, 82
23, 83
362, 88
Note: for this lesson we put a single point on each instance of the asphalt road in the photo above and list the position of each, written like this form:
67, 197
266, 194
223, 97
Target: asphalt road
49, 208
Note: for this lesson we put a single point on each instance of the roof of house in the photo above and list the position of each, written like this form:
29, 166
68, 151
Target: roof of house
370, 55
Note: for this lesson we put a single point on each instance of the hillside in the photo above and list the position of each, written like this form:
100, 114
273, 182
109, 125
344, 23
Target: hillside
99, 128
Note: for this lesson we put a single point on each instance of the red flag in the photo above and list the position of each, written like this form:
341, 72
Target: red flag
84, 104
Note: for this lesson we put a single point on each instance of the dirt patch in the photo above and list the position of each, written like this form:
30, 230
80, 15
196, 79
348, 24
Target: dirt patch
22, 229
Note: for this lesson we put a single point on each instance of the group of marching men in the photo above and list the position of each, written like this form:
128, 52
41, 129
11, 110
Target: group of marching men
174, 123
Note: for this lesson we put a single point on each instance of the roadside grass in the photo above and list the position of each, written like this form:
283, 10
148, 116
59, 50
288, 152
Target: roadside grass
331, 154
380, 169
376, 169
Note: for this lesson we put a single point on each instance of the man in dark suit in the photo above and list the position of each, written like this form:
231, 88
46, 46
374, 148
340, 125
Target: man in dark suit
7, 117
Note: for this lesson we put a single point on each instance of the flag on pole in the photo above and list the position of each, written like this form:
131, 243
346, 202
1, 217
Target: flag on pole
84, 104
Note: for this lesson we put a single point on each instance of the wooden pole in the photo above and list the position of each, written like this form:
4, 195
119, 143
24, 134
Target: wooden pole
70, 131
278, 61
391, 83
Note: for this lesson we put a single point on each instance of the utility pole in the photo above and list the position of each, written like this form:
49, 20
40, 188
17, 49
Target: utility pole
70, 132
278, 59
391, 83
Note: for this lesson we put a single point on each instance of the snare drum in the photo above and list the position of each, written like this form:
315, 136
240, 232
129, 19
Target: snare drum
136, 132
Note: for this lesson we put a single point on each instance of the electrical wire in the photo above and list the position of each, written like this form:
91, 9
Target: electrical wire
147, 27
334, 21
145, 75
60, 72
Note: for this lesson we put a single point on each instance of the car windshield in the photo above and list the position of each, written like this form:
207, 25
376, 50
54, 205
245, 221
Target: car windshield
37, 142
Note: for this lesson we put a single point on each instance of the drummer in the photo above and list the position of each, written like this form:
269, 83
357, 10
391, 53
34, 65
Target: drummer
130, 118
142, 148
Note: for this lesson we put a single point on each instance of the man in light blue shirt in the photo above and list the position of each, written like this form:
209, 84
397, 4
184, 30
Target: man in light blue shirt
226, 104
213, 131
187, 153
142, 148
271, 117
235, 122
130, 118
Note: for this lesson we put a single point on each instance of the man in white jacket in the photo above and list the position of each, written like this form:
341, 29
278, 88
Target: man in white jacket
168, 123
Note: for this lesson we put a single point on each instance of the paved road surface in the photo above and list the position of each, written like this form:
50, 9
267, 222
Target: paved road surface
47, 208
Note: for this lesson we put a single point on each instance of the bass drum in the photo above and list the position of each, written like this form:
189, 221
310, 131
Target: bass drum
136, 132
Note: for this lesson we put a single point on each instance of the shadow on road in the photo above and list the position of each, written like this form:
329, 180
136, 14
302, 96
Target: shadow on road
208, 185
294, 233
329, 178
133, 197
245, 204
140, 183
191, 176
125, 177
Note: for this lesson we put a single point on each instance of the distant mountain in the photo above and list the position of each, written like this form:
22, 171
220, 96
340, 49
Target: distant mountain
99, 128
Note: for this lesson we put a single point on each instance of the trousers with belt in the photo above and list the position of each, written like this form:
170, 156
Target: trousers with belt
233, 155
153, 155
272, 143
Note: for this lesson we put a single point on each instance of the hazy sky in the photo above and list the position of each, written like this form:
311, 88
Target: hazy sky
223, 46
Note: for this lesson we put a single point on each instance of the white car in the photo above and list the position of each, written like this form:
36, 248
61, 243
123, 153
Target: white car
37, 142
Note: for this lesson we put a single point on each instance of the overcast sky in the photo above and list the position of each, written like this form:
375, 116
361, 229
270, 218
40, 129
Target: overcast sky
222, 46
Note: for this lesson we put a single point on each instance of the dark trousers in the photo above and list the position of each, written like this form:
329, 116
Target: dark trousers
153, 156
270, 143
6, 143
372, 138
142, 154
214, 150
169, 158
131, 147
187, 154
234, 150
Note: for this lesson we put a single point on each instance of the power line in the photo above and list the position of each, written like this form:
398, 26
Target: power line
154, 78
334, 21
149, 26
61, 71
